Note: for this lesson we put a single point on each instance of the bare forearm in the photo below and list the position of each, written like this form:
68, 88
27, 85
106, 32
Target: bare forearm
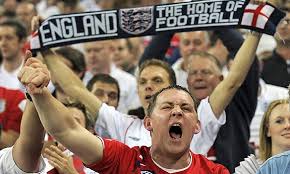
70, 83
225, 91
63, 75
54, 116
58, 121
30, 141
244, 58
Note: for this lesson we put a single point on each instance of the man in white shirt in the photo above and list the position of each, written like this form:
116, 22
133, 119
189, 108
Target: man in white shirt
12, 38
99, 61
189, 42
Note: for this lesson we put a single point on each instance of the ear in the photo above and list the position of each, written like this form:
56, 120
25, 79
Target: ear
196, 127
148, 123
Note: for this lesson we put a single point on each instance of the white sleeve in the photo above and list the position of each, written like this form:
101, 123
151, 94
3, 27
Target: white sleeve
210, 125
112, 122
7, 164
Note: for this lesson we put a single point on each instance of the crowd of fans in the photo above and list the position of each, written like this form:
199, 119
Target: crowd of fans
206, 99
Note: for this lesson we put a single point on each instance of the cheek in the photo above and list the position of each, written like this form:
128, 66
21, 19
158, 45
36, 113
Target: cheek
274, 130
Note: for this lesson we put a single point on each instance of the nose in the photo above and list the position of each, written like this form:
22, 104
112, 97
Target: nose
176, 112
148, 87
287, 125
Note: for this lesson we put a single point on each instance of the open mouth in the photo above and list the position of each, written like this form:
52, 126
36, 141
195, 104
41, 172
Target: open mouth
148, 97
175, 131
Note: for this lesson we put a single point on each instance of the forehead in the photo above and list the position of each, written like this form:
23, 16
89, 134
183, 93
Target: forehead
199, 62
280, 110
8, 29
200, 35
98, 44
154, 71
174, 96
105, 86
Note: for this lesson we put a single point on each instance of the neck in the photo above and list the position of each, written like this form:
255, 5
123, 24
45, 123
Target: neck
12, 65
104, 70
171, 161
277, 150
284, 52
183, 64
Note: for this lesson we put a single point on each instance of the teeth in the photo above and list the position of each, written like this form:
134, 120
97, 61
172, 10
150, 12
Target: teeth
176, 124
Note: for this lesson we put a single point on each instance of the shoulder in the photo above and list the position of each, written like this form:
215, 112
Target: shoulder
276, 163
199, 161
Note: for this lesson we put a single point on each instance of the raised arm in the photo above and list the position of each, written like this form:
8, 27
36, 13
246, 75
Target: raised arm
70, 83
224, 92
27, 148
56, 118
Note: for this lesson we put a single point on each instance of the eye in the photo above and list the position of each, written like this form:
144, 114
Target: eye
112, 95
141, 82
279, 121
186, 42
158, 80
166, 107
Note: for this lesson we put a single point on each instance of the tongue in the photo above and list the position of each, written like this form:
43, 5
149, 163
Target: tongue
174, 135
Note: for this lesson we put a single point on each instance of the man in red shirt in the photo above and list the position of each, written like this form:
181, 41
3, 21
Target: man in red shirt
172, 122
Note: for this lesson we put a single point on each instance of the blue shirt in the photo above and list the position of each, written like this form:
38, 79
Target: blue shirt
278, 164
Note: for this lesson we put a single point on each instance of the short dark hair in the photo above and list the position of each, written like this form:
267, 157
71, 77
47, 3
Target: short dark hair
76, 57
161, 64
209, 56
152, 102
18, 26
89, 123
105, 78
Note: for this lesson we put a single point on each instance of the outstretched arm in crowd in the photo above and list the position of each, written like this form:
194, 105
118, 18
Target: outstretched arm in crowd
56, 118
26, 151
224, 92
70, 83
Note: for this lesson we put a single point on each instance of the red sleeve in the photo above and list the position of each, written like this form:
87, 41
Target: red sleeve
11, 117
117, 158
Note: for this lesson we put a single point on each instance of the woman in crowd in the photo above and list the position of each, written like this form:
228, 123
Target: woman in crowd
275, 130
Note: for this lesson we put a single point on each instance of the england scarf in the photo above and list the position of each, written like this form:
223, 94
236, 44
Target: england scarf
60, 30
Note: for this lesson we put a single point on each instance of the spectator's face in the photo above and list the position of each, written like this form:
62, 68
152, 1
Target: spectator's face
10, 45
151, 80
203, 77
106, 92
24, 13
97, 55
279, 127
193, 41
121, 56
284, 28
172, 123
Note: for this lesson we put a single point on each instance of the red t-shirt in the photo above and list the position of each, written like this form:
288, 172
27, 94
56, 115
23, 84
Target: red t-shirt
120, 159
10, 112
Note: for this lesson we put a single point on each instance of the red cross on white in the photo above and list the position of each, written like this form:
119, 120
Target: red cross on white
257, 15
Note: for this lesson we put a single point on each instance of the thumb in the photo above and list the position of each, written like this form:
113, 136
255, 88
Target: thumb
27, 55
